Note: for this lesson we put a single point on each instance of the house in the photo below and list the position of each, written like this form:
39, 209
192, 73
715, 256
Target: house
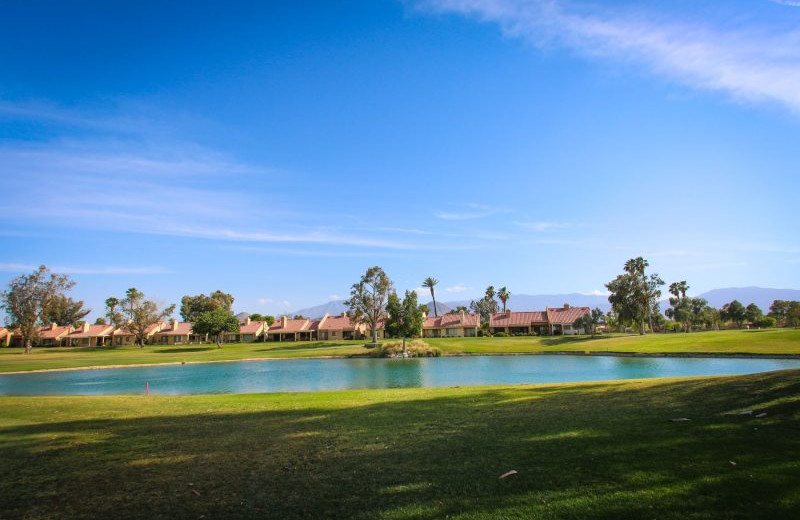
123, 336
53, 335
5, 337
457, 325
249, 332
298, 329
556, 320
512, 323
339, 328
561, 319
176, 332
89, 336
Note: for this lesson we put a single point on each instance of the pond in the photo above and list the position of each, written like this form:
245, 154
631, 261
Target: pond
311, 375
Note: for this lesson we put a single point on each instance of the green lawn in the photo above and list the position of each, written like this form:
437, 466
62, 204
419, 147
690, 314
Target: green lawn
774, 341
598, 450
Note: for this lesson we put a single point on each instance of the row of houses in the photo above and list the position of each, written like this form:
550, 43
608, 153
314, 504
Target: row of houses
329, 328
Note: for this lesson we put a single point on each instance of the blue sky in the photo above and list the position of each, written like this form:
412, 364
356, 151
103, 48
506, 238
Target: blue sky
276, 151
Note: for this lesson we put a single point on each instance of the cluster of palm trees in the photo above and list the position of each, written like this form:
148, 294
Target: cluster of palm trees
502, 294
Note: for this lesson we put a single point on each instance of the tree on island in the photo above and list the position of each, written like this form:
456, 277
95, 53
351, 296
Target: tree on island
193, 306
27, 299
430, 282
404, 319
215, 323
368, 300
136, 314
634, 294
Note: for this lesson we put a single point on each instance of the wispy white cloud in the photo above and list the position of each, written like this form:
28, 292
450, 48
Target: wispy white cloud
457, 288
756, 64
265, 301
595, 292
790, 3
471, 211
99, 270
334, 297
542, 226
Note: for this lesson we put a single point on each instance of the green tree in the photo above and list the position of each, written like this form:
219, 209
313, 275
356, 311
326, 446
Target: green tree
27, 298
485, 307
136, 314
100, 321
368, 299
681, 310
503, 295
635, 294
63, 310
404, 319
458, 310
590, 321
785, 312
192, 306
752, 313
734, 311
215, 323
430, 282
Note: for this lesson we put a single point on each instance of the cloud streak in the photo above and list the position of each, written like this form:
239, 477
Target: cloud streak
753, 65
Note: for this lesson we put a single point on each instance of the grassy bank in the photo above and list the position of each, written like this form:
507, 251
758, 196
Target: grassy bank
776, 341
604, 450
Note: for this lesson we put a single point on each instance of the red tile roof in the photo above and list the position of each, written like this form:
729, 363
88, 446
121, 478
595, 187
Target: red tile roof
92, 331
566, 316
53, 333
122, 331
451, 321
517, 319
183, 328
292, 325
254, 327
337, 323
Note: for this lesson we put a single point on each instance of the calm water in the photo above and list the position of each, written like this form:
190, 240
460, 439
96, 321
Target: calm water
337, 374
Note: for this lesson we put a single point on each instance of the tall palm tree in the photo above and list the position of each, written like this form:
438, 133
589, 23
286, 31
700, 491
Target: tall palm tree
503, 295
430, 282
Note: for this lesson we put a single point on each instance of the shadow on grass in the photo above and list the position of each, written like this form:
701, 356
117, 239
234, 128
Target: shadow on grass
599, 451
185, 349
289, 346
571, 340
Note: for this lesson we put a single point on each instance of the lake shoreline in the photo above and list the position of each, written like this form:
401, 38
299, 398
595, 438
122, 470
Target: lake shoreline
739, 355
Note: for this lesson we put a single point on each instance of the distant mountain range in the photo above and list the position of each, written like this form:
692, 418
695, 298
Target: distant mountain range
763, 297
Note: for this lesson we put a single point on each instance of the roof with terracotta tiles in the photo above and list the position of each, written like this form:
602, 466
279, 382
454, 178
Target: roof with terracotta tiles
337, 323
54, 332
92, 331
292, 325
517, 319
122, 331
182, 328
566, 315
254, 327
451, 321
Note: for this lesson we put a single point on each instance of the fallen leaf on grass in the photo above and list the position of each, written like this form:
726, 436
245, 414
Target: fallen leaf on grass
508, 473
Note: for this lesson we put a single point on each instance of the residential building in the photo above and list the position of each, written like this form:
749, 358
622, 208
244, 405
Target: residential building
287, 329
339, 328
54, 335
89, 336
249, 332
123, 336
176, 332
5, 337
456, 325
557, 320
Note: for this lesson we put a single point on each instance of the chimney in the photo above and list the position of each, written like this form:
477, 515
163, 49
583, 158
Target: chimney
53, 326
247, 321
508, 312
284, 321
461, 313
344, 314
566, 306
85, 327
174, 324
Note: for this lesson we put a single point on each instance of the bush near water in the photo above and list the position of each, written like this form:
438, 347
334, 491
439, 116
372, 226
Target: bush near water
415, 348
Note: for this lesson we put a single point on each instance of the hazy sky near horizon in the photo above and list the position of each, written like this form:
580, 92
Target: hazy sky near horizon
276, 150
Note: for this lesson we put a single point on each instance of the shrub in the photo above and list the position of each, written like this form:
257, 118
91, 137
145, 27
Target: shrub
415, 348
501, 335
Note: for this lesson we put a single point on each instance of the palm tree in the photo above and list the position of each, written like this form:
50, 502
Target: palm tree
430, 282
503, 295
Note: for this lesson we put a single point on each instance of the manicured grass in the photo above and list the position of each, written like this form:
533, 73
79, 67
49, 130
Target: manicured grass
774, 341
606, 450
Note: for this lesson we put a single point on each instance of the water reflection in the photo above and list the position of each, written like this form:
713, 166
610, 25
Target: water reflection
334, 374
